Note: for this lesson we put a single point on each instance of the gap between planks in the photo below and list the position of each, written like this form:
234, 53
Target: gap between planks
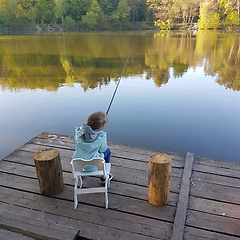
180, 217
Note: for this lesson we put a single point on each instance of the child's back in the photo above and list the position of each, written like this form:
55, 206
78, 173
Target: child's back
89, 143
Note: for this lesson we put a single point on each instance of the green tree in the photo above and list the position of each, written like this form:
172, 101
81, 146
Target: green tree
60, 9
188, 10
5, 17
142, 10
134, 11
163, 25
44, 10
123, 15
208, 19
228, 12
26, 11
90, 20
161, 8
138, 12
69, 23
93, 16
106, 6
232, 19
115, 4
76, 10
227, 6
9, 9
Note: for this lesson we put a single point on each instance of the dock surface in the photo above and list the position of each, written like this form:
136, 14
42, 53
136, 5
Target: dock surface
204, 199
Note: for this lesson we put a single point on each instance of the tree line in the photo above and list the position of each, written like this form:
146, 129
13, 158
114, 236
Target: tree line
213, 14
120, 14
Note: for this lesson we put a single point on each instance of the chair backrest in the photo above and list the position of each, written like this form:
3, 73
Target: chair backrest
79, 163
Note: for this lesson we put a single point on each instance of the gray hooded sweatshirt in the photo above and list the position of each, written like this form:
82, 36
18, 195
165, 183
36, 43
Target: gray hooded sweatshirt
89, 143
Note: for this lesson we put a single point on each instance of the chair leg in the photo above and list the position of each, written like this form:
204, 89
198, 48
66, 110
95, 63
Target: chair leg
75, 193
106, 198
106, 190
75, 198
108, 181
80, 181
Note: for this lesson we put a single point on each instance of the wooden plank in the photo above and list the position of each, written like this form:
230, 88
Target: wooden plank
143, 153
199, 234
90, 214
216, 192
126, 163
9, 235
180, 217
139, 154
215, 179
22, 222
58, 143
117, 202
120, 154
139, 178
66, 155
119, 188
215, 223
214, 196
26, 157
214, 207
217, 163
65, 138
216, 170
130, 215
138, 192
43, 225
31, 147
129, 176
124, 151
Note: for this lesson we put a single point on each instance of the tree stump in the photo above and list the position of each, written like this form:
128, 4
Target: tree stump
49, 171
159, 179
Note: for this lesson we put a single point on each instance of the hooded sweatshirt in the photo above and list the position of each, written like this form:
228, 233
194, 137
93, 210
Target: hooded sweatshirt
89, 143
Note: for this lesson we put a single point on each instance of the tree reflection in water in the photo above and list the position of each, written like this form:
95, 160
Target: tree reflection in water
94, 59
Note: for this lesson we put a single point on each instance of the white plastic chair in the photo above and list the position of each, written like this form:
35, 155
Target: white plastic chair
102, 169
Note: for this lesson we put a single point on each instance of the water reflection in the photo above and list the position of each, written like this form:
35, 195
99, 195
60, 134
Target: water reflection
92, 60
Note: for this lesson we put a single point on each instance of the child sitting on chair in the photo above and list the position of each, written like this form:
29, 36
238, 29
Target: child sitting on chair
91, 141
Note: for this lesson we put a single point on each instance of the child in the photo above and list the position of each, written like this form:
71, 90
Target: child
90, 139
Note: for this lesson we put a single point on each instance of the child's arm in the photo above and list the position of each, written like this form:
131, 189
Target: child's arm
103, 147
77, 135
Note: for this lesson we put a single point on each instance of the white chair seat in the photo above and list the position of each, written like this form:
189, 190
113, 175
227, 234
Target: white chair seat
103, 169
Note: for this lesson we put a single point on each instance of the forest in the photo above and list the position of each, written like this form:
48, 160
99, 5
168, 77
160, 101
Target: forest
108, 15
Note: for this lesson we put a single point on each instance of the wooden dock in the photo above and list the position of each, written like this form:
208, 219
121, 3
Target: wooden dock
204, 198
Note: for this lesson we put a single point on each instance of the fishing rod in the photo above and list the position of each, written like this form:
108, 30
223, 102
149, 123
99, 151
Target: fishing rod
119, 81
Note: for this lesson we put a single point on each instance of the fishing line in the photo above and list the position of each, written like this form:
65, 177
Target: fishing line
119, 81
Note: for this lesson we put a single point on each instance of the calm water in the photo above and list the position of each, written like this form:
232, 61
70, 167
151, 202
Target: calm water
178, 93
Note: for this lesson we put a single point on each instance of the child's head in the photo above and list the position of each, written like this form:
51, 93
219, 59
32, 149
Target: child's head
97, 120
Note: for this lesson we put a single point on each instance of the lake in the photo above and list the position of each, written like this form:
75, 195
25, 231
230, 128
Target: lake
180, 92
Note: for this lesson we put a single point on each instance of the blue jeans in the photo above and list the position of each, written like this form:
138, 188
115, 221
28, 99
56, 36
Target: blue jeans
107, 155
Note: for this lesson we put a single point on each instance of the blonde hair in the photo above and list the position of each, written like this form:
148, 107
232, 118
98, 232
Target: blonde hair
97, 120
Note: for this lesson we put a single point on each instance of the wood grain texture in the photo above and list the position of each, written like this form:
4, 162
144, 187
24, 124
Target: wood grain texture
180, 218
212, 206
49, 171
211, 222
159, 179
